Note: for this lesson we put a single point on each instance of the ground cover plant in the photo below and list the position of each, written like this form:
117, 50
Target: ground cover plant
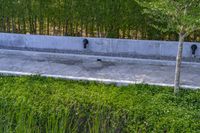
37, 104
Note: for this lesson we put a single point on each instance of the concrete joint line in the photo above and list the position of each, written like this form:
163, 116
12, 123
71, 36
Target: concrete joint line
104, 58
109, 81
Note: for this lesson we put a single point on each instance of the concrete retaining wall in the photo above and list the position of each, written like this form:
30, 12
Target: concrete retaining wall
101, 45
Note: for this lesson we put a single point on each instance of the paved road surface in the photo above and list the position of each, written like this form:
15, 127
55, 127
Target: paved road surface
63, 65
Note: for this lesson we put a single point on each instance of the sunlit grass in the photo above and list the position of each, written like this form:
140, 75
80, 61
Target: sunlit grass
39, 105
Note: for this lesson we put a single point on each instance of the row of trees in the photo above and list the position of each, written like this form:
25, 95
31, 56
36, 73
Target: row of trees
97, 18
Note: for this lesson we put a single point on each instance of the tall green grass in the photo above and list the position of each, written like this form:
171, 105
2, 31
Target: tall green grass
39, 105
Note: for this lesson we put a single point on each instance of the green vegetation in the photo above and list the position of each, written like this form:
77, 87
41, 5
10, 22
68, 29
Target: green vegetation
181, 16
36, 104
96, 18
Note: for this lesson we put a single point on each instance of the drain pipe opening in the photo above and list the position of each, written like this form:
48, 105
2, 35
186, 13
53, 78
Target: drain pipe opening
85, 43
99, 60
194, 48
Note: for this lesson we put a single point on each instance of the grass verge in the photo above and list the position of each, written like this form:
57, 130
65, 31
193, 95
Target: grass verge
38, 105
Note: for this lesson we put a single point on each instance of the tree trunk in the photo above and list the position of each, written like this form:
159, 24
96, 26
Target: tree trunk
8, 24
48, 25
178, 64
19, 26
35, 24
30, 25
66, 26
24, 26
13, 25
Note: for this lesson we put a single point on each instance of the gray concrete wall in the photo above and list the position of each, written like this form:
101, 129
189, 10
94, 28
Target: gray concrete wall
101, 45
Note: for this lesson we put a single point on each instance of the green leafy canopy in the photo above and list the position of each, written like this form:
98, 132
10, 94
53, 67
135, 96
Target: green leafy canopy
180, 16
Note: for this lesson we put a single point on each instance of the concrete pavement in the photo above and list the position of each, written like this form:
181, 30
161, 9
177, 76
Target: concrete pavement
81, 67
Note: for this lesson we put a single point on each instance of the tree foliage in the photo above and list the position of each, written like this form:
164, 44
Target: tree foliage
180, 16
97, 18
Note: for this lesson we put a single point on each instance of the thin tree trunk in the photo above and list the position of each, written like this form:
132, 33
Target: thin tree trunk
92, 29
30, 25
129, 32
54, 28
35, 25
98, 30
59, 27
19, 26
66, 26
178, 64
8, 24
4, 25
136, 33
40, 26
13, 25
75, 29
63, 29
48, 26
71, 29
86, 30
24, 25
81, 29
